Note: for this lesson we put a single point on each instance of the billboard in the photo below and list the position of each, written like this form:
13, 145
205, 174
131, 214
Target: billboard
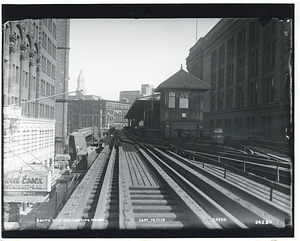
27, 181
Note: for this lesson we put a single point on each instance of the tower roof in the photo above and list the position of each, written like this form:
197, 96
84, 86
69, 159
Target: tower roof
183, 80
81, 83
80, 76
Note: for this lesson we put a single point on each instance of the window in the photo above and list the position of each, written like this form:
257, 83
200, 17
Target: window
183, 102
50, 25
33, 109
235, 124
241, 42
221, 77
248, 123
52, 71
252, 123
221, 55
254, 63
171, 100
221, 101
213, 81
253, 93
229, 99
211, 124
17, 74
230, 74
270, 55
43, 87
240, 96
254, 33
213, 99
44, 61
24, 78
52, 90
241, 69
214, 60
33, 83
54, 30
269, 86
230, 49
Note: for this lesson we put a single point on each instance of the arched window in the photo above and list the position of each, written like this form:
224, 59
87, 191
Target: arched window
18, 39
183, 102
27, 50
171, 100
184, 99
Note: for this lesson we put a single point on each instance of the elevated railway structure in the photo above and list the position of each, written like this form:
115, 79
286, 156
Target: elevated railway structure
88, 133
142, 185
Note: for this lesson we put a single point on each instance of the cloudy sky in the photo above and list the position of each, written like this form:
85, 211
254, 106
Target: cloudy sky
122, 54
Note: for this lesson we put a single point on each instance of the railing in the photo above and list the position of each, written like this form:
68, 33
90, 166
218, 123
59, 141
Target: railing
271, 184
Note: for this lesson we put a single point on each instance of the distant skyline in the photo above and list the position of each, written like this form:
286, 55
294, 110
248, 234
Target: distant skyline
122, 54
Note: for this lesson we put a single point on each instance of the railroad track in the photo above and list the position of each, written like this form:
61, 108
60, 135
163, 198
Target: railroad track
131, 186
156, 200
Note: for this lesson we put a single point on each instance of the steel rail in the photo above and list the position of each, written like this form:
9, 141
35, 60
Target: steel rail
126, 216
102, 209
196, 214
276, 171
69, 217
267, 210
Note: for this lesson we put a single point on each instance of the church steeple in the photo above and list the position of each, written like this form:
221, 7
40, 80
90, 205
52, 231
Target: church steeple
81, 83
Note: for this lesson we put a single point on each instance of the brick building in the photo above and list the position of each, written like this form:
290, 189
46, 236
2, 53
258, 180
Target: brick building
147, 89
88, 112
247, 63
129, 96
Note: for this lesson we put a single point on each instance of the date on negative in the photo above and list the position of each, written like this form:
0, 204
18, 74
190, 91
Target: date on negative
152, 220
263, 222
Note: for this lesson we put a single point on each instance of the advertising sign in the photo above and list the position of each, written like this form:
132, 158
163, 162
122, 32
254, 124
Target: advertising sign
27, 181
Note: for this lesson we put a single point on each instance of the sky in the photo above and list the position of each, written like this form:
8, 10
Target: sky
122, 54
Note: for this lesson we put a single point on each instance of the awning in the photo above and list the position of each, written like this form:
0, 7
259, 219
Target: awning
140, 103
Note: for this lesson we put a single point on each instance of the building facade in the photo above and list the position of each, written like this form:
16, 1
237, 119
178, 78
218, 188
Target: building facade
115, 112
129, 96
147, 89
248, 65
101, 113
29, 77
30, 65
85, 113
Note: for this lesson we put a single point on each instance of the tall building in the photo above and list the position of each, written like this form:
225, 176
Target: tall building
30, 65
147, 89
129, 96
115, 112
101, 113
81, 84
247, 63
84, 97
62, 79
85, 113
